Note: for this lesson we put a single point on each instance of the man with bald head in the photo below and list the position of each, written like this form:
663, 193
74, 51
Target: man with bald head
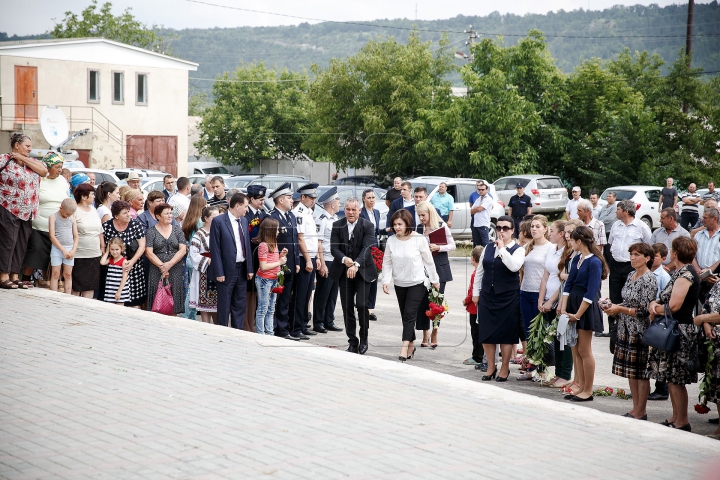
394, 192
691, 202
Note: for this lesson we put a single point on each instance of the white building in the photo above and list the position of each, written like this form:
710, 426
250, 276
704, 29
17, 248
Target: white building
134, 101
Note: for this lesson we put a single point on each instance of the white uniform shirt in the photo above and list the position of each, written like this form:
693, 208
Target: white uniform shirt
571, 208
306, 226
622, 236
324, 223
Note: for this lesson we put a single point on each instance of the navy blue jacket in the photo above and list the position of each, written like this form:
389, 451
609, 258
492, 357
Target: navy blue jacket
496, 274
222, 247
364, 214
288, 238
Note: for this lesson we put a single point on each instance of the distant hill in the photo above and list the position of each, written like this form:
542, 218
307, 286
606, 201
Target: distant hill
658, 30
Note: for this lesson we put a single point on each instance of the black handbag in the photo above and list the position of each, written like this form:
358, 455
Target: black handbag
663, 334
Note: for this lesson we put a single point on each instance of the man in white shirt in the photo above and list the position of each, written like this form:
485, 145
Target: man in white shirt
480, 213
309, 244
180, 201
585, 214
326, 289
571, 208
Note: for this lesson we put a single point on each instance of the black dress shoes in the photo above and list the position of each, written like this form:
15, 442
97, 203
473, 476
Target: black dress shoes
309, 332
657, 396
333, 328
319, 329
372, 317
352, 349
289, 337
714, 421
302, 336
363, 347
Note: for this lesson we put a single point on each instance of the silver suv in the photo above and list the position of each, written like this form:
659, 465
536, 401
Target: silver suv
549, 195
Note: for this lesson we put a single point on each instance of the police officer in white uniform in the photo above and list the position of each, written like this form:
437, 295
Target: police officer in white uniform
308, 243
326, 290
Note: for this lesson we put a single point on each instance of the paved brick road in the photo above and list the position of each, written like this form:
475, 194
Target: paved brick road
92, 390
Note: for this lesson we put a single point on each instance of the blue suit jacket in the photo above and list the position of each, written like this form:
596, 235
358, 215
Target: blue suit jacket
288, 238
364, 214
249, 216
222, 247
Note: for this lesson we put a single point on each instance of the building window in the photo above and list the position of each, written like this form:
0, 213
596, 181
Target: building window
118, 87
141, 89
93, 86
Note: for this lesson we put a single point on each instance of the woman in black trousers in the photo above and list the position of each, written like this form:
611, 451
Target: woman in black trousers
496, 291
407, 258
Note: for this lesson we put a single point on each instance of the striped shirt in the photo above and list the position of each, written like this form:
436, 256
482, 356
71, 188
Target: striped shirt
218, 202
113, 281
708, 252
691, 208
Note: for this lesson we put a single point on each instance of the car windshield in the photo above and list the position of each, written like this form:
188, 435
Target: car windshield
621, 194
215, 170
544, 183
238, 182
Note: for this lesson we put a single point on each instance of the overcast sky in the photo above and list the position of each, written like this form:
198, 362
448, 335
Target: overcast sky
36, 16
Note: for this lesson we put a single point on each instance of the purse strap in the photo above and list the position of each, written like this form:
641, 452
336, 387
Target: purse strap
10, 159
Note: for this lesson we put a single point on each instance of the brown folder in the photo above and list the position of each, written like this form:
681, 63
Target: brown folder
438, 238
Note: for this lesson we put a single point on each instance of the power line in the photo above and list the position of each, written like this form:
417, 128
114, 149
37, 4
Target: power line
438, 31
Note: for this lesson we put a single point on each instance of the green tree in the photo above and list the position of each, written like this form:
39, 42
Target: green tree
367, 107
257, 113
122, 28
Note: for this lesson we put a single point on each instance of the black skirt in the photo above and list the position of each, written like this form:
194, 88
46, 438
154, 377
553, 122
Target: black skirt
592, 316
37, 255
498, 316
86, 274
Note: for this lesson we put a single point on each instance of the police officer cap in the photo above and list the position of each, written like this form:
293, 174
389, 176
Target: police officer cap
257, 191
520, 185
283, 189
296, 197
310, 190
328, 196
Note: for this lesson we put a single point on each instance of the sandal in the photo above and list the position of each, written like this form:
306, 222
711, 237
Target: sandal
568, 388
8, 285
20, 284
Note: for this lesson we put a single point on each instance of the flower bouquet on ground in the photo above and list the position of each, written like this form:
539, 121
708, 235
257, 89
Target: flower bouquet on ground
438, 307
281, 280
540, 337
702, 407
377, 256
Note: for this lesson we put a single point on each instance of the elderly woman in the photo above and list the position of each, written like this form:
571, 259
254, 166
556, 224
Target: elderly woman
147, 218
91, 243
19, 185
135, 199
166, 249
132, 235
679, 297
631, 355
53, 190
407, 258
107, 194
710, 322
432, 222
496, 291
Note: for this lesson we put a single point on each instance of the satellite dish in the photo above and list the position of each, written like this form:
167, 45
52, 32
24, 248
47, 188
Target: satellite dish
54, 125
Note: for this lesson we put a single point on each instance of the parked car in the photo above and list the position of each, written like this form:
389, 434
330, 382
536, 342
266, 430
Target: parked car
208, 168
122, 173
100, 175
197, 179
148, 184
701, 208
645, 198
549, 195
347, 191
240, 181
461, 189
363, 180
272, 181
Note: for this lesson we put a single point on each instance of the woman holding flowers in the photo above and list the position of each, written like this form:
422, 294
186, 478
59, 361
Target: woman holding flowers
432, 222
710, 322
407, 258
496, 291
631, 355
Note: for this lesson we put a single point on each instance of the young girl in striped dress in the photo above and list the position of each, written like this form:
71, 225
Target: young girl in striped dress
116, 285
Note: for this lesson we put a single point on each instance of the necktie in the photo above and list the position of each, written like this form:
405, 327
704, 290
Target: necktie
242, 242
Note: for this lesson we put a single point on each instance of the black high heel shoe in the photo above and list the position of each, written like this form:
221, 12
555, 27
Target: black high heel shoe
403, 359
412, 354
487, 378
502, 379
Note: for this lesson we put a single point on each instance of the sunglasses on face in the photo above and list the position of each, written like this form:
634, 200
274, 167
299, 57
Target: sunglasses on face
482, 189
504, 228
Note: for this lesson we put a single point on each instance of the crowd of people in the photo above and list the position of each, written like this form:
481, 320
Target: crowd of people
223, 254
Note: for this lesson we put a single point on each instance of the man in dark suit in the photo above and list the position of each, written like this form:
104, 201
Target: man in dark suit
406, 200
420, 195
354, 270
255, 215
369, 213
287, 238
231, 265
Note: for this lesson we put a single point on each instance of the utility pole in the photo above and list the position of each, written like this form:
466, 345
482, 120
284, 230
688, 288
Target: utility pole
472, 35
688, 40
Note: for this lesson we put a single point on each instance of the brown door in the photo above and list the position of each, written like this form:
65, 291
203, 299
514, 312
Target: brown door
84, 157
26, 103
154, 152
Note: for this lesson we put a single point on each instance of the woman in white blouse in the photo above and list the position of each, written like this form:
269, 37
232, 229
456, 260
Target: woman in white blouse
431, 221
407, 258
496, 291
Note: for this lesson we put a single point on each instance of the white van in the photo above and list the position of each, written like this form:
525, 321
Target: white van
207, 168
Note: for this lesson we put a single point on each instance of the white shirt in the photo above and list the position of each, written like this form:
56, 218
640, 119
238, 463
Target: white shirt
551, 266
408, 203
239, 257
406, 261
371, 215
513, 262
324, 224
622, 236
663, 278
482, 218
534, 267
180, 204
571, 208
306, 226
351, 227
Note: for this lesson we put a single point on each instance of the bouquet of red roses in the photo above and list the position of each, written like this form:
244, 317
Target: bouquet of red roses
281, 280
377, 256
438, 307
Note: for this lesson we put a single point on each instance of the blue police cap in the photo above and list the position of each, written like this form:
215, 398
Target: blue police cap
256, 191
520, 185
328, 196
283, 189
310, 190
296, 197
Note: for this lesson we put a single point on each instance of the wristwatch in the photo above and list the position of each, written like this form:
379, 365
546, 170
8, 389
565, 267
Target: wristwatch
356, 264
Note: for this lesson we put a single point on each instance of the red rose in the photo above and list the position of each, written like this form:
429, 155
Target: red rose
277, 290
701, 409
429, 314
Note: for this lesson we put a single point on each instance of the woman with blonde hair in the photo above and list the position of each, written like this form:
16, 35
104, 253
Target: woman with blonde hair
135, 199
432, 222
